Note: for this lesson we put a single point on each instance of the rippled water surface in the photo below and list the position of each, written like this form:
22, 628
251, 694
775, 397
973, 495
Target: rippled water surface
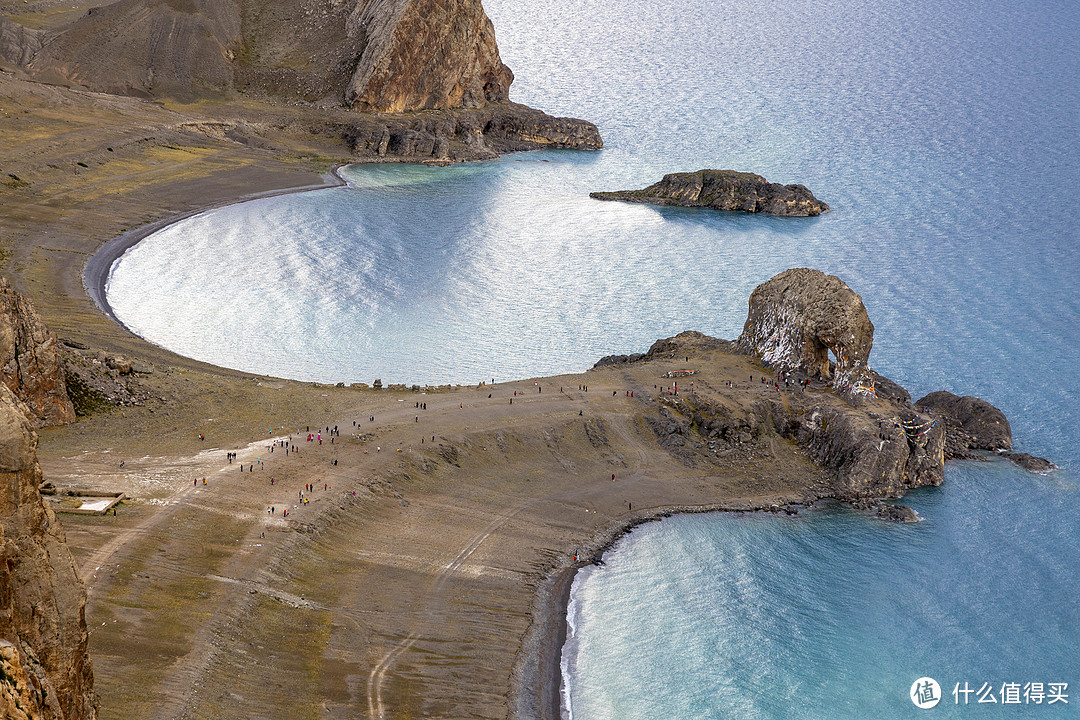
943, 135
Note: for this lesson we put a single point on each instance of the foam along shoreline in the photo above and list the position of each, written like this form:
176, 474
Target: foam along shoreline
540, 691
99, 267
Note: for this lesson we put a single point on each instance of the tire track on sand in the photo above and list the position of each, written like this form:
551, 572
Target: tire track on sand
376, 709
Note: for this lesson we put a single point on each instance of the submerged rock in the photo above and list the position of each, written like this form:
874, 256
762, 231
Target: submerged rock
1031, 463
897, 513
724, 190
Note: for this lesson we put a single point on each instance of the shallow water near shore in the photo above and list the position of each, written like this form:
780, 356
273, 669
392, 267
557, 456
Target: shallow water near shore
944, 137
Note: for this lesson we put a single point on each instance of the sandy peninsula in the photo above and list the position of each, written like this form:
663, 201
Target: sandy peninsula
429, 542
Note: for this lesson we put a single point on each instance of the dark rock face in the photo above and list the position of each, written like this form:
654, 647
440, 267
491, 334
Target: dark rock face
897, 513
526, 129
871, 456
724, 190
1031, 463
799, 316
30, 358
984, 426
43, 638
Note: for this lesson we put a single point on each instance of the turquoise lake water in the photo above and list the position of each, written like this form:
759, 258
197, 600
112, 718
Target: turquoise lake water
946, 138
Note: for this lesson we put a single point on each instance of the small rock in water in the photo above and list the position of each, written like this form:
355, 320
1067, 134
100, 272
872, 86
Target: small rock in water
1031, 463
897, 513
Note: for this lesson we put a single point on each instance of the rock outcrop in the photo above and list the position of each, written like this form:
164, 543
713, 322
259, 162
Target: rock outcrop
801, 315
30, 360
468, 134
976, 424
425, 54
867, 450
723, 190
43, 639
972, 424
880, 447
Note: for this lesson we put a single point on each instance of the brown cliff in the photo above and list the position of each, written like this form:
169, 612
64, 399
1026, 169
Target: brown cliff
373, 55
383, 58
426, 54
723, 190
29, 356
43, 638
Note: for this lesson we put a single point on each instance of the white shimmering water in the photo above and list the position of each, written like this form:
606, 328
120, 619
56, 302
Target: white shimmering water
945, 137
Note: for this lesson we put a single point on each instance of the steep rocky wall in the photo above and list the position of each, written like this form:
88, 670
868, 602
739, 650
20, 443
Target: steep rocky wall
437, 54
871, 456
30, 360
43, 638
801, 315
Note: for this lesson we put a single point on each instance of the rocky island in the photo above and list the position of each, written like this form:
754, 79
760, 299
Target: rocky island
723, 190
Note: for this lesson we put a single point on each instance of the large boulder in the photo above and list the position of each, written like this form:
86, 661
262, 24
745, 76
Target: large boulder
723, 190
43, 638
799, 317
30, 360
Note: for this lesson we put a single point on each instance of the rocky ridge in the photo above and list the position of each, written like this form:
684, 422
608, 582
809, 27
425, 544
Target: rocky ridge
45, 666
373, 55
18, 44
30, 358
723, 190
